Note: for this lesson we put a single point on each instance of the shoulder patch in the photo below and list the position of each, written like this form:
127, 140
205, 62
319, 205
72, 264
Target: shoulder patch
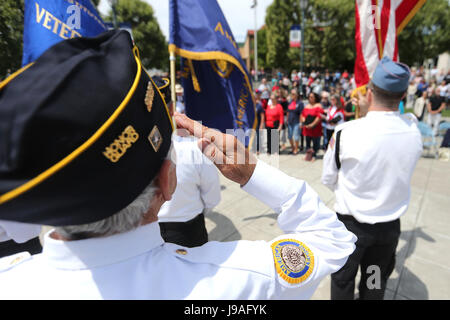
9, 262
294, 261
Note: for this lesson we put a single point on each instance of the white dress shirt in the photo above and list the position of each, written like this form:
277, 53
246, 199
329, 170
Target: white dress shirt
139, 265
378, 154
198, 184
17, 231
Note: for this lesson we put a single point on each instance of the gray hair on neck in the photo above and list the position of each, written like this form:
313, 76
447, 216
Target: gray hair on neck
125, 220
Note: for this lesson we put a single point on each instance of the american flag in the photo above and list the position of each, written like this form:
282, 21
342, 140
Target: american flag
378, 23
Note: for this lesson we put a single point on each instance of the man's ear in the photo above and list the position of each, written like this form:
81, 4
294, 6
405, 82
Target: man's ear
167, 180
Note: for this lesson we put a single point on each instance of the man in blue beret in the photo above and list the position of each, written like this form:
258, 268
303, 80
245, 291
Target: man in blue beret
368, 165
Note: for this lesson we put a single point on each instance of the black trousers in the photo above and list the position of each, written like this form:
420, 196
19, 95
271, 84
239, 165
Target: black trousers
315, 143
374, 253
11, 247
272, 133
189, 234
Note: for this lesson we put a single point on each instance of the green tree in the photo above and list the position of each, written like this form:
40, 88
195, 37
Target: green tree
146, 32
11, 35
427, 34
280, 16
95, 2
262, 48
329, 34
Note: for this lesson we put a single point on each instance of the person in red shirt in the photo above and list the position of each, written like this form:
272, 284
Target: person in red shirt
274, 121
312, 125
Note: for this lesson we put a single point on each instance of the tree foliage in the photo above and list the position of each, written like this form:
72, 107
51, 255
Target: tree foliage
11, 35
280, 16
146, 32
262, 47
330, 34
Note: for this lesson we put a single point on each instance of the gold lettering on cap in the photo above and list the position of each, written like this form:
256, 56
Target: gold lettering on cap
118, 148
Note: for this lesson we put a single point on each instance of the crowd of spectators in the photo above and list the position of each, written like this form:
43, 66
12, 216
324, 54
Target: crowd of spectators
305, 108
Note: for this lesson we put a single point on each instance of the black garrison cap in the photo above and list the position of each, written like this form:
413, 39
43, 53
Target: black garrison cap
83, 131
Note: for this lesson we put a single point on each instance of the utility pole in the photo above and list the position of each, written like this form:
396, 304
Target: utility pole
255, 6
303, 4
113, 4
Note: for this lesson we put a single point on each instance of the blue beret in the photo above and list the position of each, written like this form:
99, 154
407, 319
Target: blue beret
391, 76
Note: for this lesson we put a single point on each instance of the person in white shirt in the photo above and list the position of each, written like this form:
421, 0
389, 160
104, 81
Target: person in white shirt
369, 164
106, 243
16, 237
335, 116
265, 92
182, 219
443, 89
179, 94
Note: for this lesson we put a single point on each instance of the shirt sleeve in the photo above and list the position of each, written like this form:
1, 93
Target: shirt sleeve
329, 169
315, 243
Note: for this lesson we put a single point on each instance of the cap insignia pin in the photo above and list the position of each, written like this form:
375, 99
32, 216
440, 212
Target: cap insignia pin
155, 138
149, 95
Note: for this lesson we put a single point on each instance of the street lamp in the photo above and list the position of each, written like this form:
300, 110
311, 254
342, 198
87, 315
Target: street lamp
303, 4
254, 5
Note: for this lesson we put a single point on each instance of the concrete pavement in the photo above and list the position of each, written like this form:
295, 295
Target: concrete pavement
422, 270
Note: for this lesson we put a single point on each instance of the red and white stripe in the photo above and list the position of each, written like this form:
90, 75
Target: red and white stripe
378, 22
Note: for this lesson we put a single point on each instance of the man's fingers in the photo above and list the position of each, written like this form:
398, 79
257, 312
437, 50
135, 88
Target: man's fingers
195, 128
211, 151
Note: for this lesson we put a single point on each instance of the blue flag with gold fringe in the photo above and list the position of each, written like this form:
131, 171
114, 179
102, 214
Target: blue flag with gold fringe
217, 87
47, 22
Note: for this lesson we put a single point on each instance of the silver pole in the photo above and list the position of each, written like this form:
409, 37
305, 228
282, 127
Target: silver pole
255, 5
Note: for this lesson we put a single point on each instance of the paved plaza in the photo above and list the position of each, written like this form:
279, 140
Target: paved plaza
423, 256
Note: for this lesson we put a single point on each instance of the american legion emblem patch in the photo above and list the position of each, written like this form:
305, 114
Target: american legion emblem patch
294, 261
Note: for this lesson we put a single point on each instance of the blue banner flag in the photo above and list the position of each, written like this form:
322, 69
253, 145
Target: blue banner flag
217, 87
47, 22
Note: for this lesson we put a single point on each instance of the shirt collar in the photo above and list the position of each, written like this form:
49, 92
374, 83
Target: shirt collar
96, 252
382, 113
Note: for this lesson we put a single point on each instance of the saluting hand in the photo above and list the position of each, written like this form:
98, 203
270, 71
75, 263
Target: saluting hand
225, 151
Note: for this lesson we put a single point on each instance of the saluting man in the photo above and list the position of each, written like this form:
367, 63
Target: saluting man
102, 174
368, 165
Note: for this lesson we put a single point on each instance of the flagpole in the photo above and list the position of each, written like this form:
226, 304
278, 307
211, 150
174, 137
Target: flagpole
173, 78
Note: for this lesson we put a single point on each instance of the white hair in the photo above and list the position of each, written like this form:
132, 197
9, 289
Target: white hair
125, 220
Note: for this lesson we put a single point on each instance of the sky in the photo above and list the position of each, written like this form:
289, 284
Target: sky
238, 13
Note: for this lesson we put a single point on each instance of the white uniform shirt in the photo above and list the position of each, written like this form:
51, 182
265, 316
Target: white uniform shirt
378, 154
198, 184
17, 231
139, 265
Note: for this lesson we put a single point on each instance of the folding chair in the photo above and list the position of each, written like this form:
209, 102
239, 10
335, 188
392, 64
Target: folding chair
428, 140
